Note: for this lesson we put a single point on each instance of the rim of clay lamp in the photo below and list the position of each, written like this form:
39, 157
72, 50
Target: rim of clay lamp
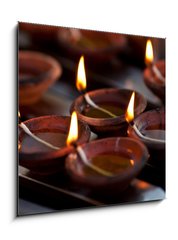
54, 122
105, 93
108, 145
151, 118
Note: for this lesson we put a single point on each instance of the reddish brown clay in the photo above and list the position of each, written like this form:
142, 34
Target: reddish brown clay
154, 119
37, 72
99, 46
153, 82
53, 161
109, 126
102, 184
155, 170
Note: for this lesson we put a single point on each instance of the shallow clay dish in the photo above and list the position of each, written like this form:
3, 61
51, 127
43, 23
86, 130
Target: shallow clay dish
117, 97
51, 161
37, 72
153, 82
146, 122
133, 149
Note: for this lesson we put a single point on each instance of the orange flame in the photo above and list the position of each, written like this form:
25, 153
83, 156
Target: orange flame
73, 130
19, 145
149, 56
81, 82
129, 116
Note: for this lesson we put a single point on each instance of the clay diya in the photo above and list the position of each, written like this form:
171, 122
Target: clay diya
151, 124
149, 127
95, 45
115, 101
40, 158
37, 72
154, 74
122, 157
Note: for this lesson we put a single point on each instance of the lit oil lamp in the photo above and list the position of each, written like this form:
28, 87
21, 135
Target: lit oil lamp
42, 143
103, 110
154, 74
149, 127
150, 134
108, 164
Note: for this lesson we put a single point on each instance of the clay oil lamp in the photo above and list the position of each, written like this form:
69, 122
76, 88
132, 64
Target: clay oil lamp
154, 74
37, 72
104, 109
149, 127
42, 143
107, 165
97, 46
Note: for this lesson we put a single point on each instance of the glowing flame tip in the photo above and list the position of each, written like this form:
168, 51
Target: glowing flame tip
149, 53
130, 110
73, 130
81, 83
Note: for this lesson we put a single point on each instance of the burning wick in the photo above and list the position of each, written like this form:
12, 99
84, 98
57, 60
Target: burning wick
27, 131
81, 85
149, 56
129, 116
71, 141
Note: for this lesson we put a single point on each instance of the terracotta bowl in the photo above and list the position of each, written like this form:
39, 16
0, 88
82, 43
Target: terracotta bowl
150, 120
52, 161
94, 45
129, 147
37, 72
109, 126
154, 171
151, 80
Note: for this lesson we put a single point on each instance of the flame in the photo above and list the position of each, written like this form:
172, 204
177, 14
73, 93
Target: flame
149, 53
73, 130
81, 82
19, 117
19, 145
132, 162
130, 109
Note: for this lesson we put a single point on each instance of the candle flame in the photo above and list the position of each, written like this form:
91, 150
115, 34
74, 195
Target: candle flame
81, 82
149, 56
129, 116
73, 130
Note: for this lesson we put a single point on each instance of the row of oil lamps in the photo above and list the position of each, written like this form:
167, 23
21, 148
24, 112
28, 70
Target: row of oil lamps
111, 161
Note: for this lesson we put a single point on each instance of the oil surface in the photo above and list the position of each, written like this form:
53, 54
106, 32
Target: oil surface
113, 163
95, 113
30, 145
